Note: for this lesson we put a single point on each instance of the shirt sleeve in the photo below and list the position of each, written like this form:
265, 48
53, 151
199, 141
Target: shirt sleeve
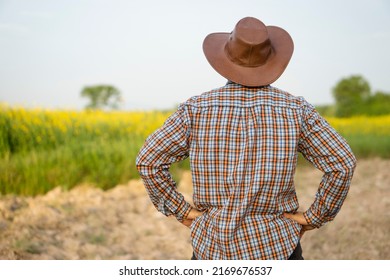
321, 145
167, 145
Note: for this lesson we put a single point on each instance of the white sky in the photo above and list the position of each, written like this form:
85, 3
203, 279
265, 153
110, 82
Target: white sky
152, 50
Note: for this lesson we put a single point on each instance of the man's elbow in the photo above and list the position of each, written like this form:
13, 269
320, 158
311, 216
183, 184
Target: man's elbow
140, 163
144, 166
352, 163
349, 165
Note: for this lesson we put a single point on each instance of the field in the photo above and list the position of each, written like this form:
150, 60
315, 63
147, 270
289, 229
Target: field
121, 223
42, 149
69, 190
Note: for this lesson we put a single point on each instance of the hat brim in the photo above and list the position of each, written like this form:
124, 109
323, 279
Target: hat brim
269, 72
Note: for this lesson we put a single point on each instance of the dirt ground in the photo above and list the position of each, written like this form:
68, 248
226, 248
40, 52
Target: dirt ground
121, 223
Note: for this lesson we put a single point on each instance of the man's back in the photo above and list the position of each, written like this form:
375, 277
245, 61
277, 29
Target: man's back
243, 144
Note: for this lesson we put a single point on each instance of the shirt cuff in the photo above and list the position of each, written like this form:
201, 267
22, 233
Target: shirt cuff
312, 219
183, 211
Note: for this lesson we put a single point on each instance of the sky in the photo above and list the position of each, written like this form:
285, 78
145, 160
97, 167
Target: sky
151, 51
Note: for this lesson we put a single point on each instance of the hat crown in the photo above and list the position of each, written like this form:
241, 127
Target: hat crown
249, 43
252, 54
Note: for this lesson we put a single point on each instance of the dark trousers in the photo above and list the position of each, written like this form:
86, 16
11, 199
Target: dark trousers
296, 255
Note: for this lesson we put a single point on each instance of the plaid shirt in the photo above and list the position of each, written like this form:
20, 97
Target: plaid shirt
243, 144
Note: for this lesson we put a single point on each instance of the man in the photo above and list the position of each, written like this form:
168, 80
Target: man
242, 141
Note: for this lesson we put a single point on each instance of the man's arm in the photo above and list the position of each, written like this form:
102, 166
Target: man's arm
167, 145
321, 145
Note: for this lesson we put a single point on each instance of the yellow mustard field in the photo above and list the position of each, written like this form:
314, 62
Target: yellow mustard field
362, 125
42, 149
23, 130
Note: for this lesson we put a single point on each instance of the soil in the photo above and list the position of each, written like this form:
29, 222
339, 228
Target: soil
121, 223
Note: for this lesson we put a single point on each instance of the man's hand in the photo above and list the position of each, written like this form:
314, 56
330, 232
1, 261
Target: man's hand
300, 219
194, 213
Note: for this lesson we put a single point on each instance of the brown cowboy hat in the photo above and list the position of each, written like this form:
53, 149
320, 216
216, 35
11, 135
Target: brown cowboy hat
252, 54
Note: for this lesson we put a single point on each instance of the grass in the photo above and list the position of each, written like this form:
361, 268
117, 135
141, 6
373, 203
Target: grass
368, 146
92, 162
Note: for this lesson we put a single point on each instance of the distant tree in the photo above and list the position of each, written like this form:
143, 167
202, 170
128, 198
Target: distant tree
378, 104
102, 97
351, 95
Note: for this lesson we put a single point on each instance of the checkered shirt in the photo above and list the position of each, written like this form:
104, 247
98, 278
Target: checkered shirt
243, 145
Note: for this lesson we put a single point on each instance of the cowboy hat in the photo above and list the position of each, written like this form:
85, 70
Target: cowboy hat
252, 54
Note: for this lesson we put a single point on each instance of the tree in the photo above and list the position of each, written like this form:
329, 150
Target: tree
351, 95
102, 96
378, 104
